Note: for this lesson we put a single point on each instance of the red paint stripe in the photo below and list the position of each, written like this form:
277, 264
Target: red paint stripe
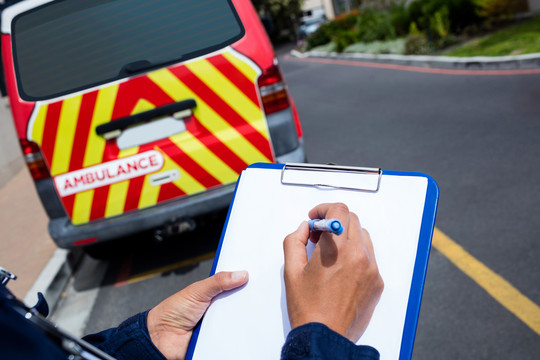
224, 110
212, 143
188, 164
236, 77
68, 202
169, 191
99, 203
82, 131
129, 94
50, 130
85, 241
101, 194
134, 193
415, 68
135, 187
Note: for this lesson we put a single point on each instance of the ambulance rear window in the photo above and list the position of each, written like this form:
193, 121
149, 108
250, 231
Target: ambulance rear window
71, 45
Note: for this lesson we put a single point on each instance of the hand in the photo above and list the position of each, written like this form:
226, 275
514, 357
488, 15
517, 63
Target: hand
171, 323
340, 285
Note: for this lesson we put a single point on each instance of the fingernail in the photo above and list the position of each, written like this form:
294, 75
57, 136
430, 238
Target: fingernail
239, 275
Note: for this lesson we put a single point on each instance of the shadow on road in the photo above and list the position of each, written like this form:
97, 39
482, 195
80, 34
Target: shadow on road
142, 256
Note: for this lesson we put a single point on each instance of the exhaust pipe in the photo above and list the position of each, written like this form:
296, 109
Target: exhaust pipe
174, 227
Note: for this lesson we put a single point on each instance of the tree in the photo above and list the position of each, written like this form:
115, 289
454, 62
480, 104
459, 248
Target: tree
497, 9
284, 15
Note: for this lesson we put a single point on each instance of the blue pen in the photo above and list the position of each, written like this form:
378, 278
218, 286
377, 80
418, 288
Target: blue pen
332, 225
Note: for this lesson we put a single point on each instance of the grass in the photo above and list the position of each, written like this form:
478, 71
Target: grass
378, 47
523, 38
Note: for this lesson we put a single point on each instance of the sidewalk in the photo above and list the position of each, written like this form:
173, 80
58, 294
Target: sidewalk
525, 61
25, 244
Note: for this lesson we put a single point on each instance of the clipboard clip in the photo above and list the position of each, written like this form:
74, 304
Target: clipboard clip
332, 176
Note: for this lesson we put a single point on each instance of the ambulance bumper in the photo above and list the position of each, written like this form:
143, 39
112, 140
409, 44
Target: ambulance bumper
66, 235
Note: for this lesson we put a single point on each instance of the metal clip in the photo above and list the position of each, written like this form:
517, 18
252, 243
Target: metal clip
332, 176
5, 276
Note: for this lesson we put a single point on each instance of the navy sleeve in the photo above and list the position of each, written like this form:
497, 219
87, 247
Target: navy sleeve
316, 341
130, 340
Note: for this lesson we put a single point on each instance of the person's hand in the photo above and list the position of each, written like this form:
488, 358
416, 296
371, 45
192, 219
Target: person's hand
171, 323
340, 285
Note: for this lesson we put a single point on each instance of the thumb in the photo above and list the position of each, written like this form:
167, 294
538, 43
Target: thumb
209, 288
294, 247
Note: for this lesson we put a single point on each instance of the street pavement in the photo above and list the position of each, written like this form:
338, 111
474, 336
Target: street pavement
25, 246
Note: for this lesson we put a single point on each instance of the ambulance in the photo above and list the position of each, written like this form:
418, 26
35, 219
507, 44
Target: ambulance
137, 115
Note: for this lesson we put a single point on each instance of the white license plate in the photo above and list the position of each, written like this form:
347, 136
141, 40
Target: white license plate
150, 132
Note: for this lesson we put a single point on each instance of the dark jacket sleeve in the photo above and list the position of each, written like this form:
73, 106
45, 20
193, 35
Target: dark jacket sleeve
130, 340
316, 341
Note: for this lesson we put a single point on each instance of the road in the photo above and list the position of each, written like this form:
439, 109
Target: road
476, 135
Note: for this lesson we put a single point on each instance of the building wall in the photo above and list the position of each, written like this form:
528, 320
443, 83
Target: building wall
534, 5
327, 5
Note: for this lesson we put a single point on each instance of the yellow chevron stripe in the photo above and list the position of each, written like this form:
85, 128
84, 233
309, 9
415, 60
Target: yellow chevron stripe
95, 148
116, 198
118, 191
141, 106
227, 91
149, 193
208, 117
81, 207
186, 183
39, 124
102, 113
244, 68
204, 157
67, 124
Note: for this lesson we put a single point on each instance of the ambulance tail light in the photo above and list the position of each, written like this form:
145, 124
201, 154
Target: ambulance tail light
34, 160
273, 91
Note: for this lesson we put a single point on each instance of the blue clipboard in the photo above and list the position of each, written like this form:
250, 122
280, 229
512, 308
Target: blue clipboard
326, 182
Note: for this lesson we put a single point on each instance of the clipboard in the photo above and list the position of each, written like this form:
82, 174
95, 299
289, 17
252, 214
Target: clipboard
270, 201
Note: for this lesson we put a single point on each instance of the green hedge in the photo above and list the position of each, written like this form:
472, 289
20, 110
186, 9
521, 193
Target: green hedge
438, 20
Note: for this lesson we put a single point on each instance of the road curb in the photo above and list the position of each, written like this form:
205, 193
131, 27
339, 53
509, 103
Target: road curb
526, 61
54, 277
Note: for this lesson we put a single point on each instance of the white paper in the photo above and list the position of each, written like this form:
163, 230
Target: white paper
252, 322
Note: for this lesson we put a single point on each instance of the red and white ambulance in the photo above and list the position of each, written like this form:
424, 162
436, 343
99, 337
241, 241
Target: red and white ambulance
132, 114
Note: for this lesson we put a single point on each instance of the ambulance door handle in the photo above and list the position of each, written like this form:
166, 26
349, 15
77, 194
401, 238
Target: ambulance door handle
113, 129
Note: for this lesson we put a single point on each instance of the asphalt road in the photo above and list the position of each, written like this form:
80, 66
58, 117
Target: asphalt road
477, 136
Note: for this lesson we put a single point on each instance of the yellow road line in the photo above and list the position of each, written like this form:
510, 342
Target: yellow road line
500, 289
148, 274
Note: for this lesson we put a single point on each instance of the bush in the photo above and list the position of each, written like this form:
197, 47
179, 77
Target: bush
417, 45
375, 25
326, 32
461, 13
400, 19
498, 9
436, 19
366, 26
345, 38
